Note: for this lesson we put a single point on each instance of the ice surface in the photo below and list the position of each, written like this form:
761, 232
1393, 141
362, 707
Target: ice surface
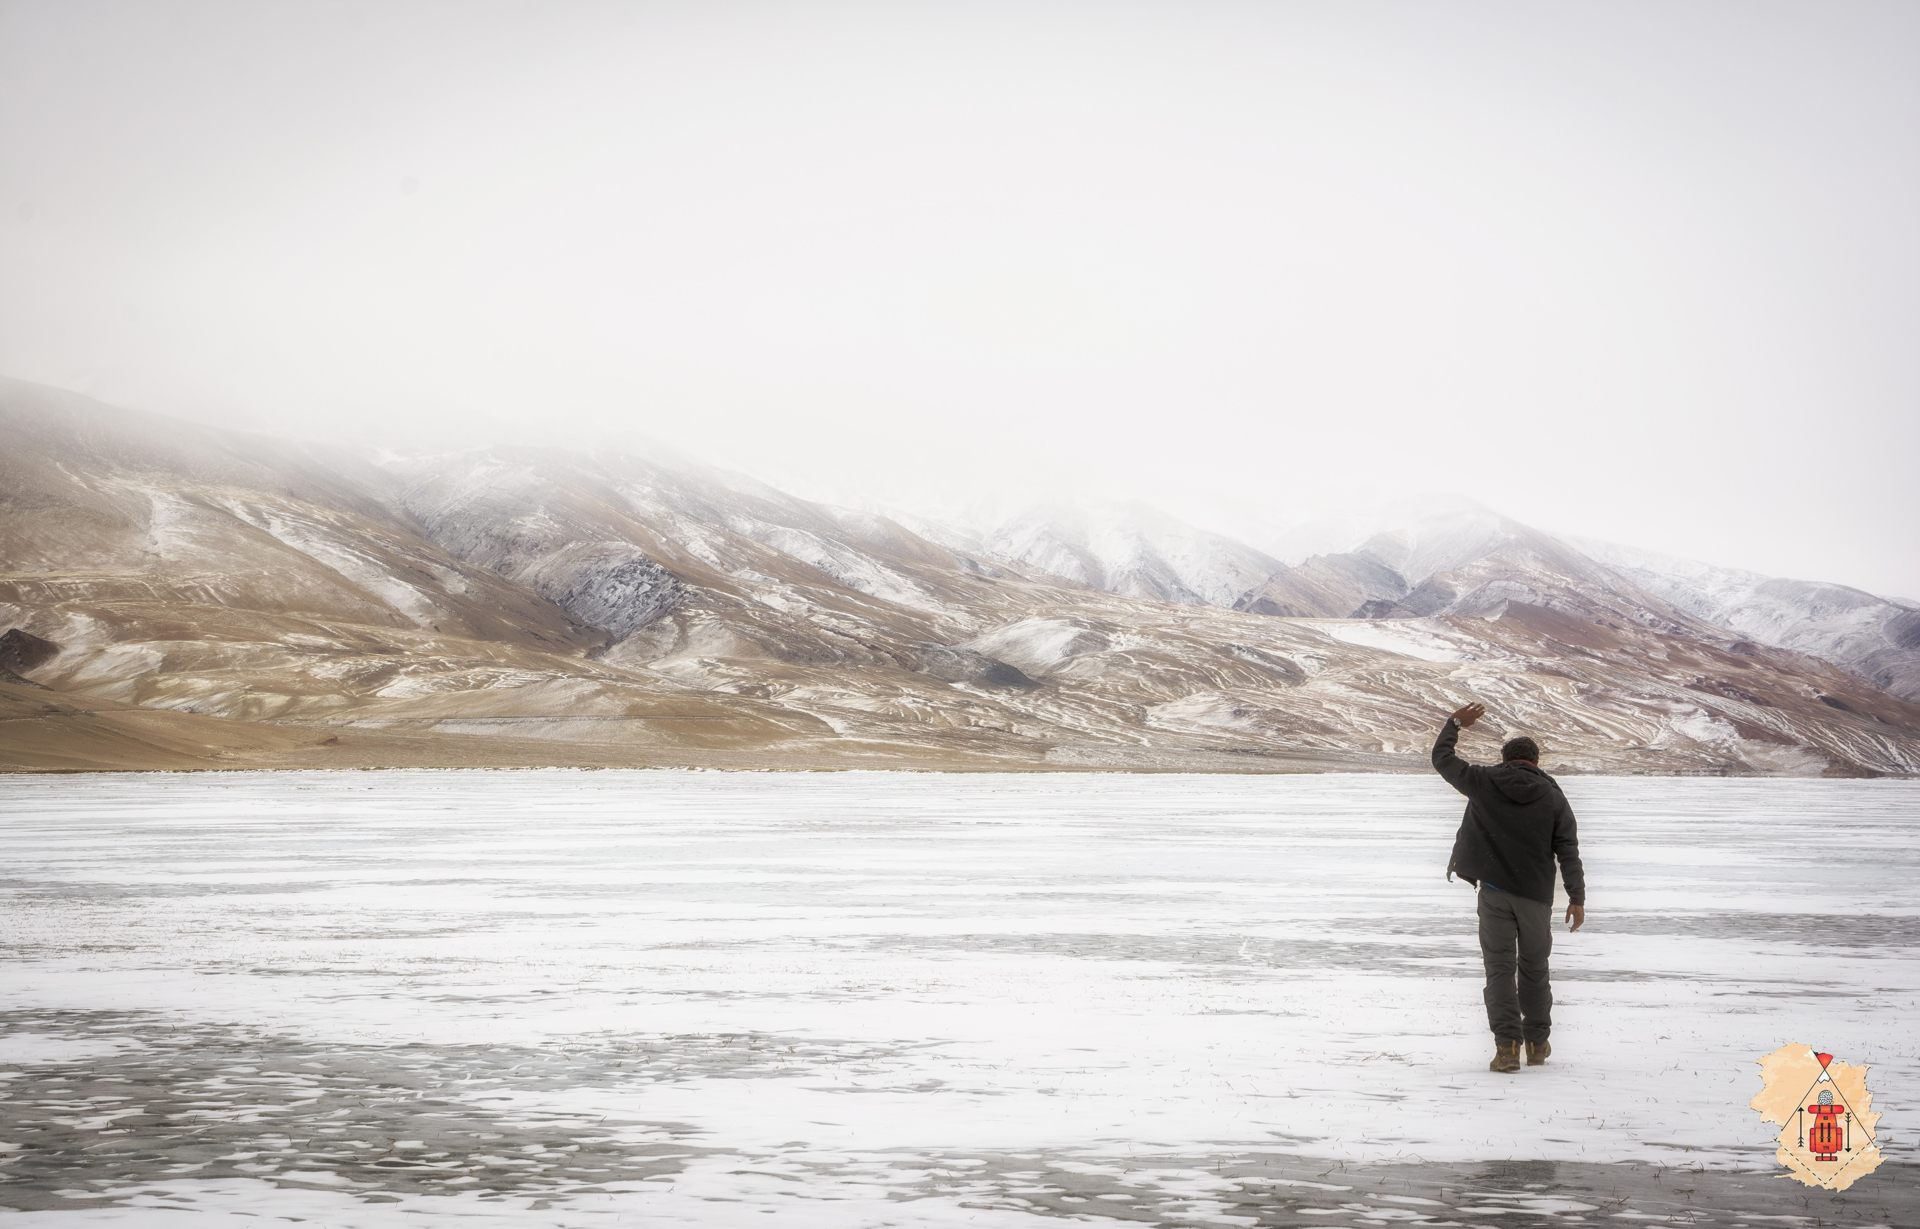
18, 1048
551, 998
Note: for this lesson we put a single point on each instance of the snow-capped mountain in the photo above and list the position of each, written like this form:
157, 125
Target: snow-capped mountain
1450, 556
1875, 637
1328, 586
1126, 548
1293, 534
217, 597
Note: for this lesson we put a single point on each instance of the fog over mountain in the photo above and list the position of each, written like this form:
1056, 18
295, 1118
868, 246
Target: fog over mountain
1640, 273
176, 595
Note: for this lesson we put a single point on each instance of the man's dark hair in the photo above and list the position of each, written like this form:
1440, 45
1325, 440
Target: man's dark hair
1521, 748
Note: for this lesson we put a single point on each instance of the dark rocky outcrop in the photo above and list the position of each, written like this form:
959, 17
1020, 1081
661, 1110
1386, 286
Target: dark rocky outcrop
618, 597
965, 666
1381, 608
22, 651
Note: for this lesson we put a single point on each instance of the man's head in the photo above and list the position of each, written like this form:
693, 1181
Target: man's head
1521, 748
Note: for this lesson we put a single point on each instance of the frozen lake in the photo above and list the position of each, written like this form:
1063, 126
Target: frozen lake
559, 998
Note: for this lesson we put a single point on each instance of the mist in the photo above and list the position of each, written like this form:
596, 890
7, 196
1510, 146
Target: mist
1632, 271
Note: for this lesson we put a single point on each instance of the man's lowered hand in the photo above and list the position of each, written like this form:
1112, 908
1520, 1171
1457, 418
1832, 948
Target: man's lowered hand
1576, 914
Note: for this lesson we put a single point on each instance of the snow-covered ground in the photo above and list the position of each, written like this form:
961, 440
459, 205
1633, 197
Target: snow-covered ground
559, 998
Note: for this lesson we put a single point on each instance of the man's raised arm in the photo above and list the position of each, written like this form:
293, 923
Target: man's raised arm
1457, 771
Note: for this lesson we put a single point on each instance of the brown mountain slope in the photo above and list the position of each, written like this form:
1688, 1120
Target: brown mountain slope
536, 606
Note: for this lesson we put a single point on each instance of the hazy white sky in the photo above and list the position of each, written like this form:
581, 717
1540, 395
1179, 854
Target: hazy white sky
1641, 271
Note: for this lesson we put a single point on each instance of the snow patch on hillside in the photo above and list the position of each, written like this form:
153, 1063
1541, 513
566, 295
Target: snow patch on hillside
364, 571
1040, 645
1695, 725
1202, 710
852, 568
1405, 637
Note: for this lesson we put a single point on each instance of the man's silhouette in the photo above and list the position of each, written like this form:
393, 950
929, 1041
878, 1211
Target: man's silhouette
1517, 823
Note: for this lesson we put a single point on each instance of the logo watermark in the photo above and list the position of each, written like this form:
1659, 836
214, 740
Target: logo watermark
1825, 1114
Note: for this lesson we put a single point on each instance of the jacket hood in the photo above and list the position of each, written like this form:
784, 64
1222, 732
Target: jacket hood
1520, 782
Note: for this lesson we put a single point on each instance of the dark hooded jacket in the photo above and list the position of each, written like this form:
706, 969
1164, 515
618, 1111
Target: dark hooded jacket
1517, 823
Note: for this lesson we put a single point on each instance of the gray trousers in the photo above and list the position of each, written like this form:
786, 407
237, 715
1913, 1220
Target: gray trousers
1516, 936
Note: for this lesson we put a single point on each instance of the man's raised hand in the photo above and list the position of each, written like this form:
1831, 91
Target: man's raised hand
1469, 714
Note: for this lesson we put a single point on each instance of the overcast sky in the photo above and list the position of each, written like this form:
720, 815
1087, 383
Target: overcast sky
1639, 271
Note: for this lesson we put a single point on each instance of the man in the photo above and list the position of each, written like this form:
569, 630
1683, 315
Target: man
1517, 823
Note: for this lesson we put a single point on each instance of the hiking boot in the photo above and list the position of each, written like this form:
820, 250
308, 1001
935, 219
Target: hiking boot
1537, 1052
1506, 1056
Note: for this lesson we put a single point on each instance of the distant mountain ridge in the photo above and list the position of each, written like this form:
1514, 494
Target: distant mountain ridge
1467, 560
1876, 637
307, 606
